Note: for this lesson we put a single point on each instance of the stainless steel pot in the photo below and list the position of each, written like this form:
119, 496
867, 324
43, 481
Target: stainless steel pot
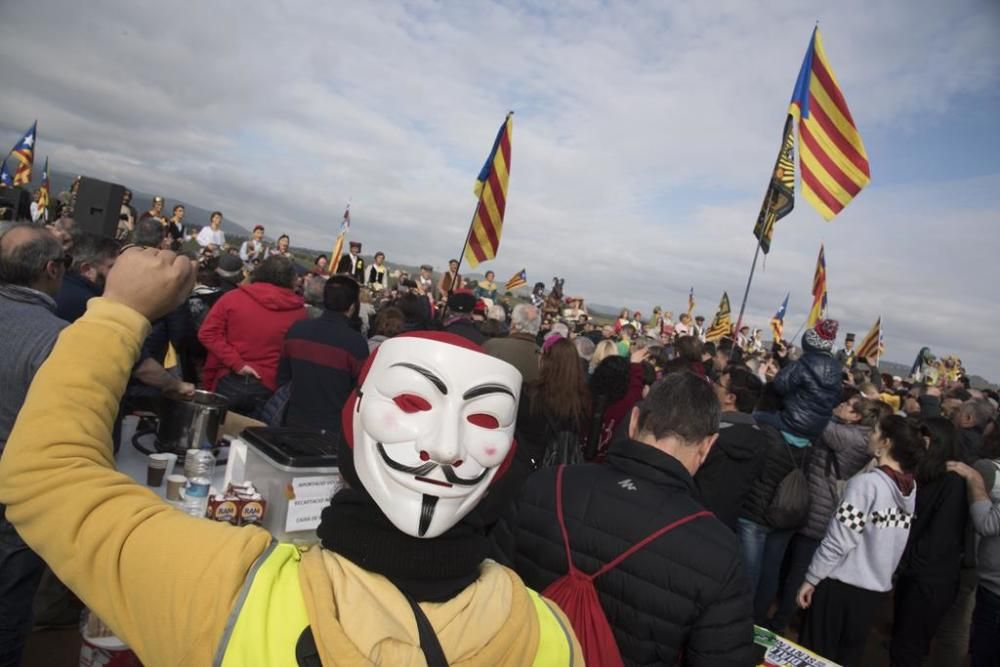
191, 423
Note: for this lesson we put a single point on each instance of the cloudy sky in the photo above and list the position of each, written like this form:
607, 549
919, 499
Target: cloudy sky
644, 136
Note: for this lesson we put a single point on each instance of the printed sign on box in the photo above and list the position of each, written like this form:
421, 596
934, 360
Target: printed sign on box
780, 652
309, 495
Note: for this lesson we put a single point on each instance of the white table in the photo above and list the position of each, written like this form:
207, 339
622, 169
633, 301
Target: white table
132, 462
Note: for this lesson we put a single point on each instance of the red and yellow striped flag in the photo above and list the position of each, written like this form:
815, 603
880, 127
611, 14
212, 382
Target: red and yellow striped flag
818, 310
832, 158
872, 345
491, 188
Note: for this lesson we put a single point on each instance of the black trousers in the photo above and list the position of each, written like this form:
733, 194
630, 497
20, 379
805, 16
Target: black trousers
918, 608
837, 623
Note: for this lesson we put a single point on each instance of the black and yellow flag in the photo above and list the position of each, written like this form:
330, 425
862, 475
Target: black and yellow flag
779, 200
722, 325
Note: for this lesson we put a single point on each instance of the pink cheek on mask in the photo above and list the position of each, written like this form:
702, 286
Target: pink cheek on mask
490, 451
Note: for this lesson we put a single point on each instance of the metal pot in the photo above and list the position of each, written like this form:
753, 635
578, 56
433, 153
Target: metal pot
191, 423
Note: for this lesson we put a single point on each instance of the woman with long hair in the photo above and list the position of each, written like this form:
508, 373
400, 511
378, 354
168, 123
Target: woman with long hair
852, 570
606, 348
616, 386
556, 402
927, 581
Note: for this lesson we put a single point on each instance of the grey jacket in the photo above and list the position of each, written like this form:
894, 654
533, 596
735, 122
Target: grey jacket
28, 330
867, 534
849, 444
985, 516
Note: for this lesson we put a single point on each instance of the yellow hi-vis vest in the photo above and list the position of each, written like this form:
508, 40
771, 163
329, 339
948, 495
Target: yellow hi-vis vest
270, 615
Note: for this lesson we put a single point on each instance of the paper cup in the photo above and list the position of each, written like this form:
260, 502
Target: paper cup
156, 468
175, 484
171, 463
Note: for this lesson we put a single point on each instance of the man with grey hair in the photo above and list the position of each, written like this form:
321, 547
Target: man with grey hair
520, 347
93, 257
32, 266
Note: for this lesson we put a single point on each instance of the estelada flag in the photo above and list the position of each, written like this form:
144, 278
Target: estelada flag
691, 302
491, 187
778, 321
818, 310
779, 200
832, 159
722, 325
872, 345
43, 191
24, 153
519, 279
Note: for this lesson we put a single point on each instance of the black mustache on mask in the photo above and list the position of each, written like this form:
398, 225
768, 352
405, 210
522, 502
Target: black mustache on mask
423, 469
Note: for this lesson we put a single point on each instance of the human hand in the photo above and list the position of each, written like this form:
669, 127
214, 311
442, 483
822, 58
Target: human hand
248, 371
805, 596
966, 471
872, 361
781, 350
639, 356
150, 281
181, 390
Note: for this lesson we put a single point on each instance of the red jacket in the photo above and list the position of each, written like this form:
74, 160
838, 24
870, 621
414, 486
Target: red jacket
246, 327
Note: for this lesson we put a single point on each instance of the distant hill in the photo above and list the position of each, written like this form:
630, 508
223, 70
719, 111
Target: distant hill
194, 215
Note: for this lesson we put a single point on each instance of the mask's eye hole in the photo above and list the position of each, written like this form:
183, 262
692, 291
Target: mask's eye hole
411, 403
483, 420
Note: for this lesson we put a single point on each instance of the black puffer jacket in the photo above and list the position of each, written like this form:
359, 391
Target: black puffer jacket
685, 593
778, 462
733, 466
811, 389
849, 443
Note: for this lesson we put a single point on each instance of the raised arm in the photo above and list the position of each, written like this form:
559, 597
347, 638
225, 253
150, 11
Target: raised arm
163, 581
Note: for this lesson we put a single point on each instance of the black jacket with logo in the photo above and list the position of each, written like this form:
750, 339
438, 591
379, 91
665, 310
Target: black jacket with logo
685, 594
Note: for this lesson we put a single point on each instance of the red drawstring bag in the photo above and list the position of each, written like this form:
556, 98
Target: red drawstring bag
575, 594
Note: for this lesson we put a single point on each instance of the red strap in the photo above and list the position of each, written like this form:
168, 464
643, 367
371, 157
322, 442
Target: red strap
628, 552
559, 515
642, 543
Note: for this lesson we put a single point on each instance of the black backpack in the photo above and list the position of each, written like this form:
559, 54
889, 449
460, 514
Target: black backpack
789, 506
563, 446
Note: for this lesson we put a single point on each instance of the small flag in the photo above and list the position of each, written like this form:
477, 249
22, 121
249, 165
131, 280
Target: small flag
691, 301
778, 321
43, 196
722, 325
5, 178
519, 279
818, 310
491, 187
338, 246
872, 345
832, 159
779, 200
24, 153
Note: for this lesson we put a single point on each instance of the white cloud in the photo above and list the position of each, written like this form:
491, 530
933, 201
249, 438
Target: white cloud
643, 137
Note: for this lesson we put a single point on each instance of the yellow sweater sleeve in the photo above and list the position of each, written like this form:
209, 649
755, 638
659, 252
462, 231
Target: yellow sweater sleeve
165, 582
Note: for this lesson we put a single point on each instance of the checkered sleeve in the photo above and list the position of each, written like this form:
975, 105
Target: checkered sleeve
843, 533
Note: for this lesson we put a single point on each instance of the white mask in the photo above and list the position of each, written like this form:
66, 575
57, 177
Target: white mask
431, 425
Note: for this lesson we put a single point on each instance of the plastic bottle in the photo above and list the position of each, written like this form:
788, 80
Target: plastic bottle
199, 467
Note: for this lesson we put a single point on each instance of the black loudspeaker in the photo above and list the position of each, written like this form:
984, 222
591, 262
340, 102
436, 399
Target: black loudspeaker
16, 203
98, 206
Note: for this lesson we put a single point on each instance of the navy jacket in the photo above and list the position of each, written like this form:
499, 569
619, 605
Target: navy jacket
811, 389
71, 301
321, 358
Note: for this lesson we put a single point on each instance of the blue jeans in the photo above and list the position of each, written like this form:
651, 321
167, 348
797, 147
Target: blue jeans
985, 643
20, 571
763, 550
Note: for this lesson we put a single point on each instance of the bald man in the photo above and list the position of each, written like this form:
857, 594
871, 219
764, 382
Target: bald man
32, 265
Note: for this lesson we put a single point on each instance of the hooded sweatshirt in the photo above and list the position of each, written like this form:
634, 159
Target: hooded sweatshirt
166, 582
733, 465
246, 327
867, 534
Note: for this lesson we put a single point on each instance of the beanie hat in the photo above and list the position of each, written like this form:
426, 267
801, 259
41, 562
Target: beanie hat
821, 337
462, 301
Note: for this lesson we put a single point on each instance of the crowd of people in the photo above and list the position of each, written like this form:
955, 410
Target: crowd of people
829, 485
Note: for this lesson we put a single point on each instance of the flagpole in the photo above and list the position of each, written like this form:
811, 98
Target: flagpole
753, 267
461, 257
